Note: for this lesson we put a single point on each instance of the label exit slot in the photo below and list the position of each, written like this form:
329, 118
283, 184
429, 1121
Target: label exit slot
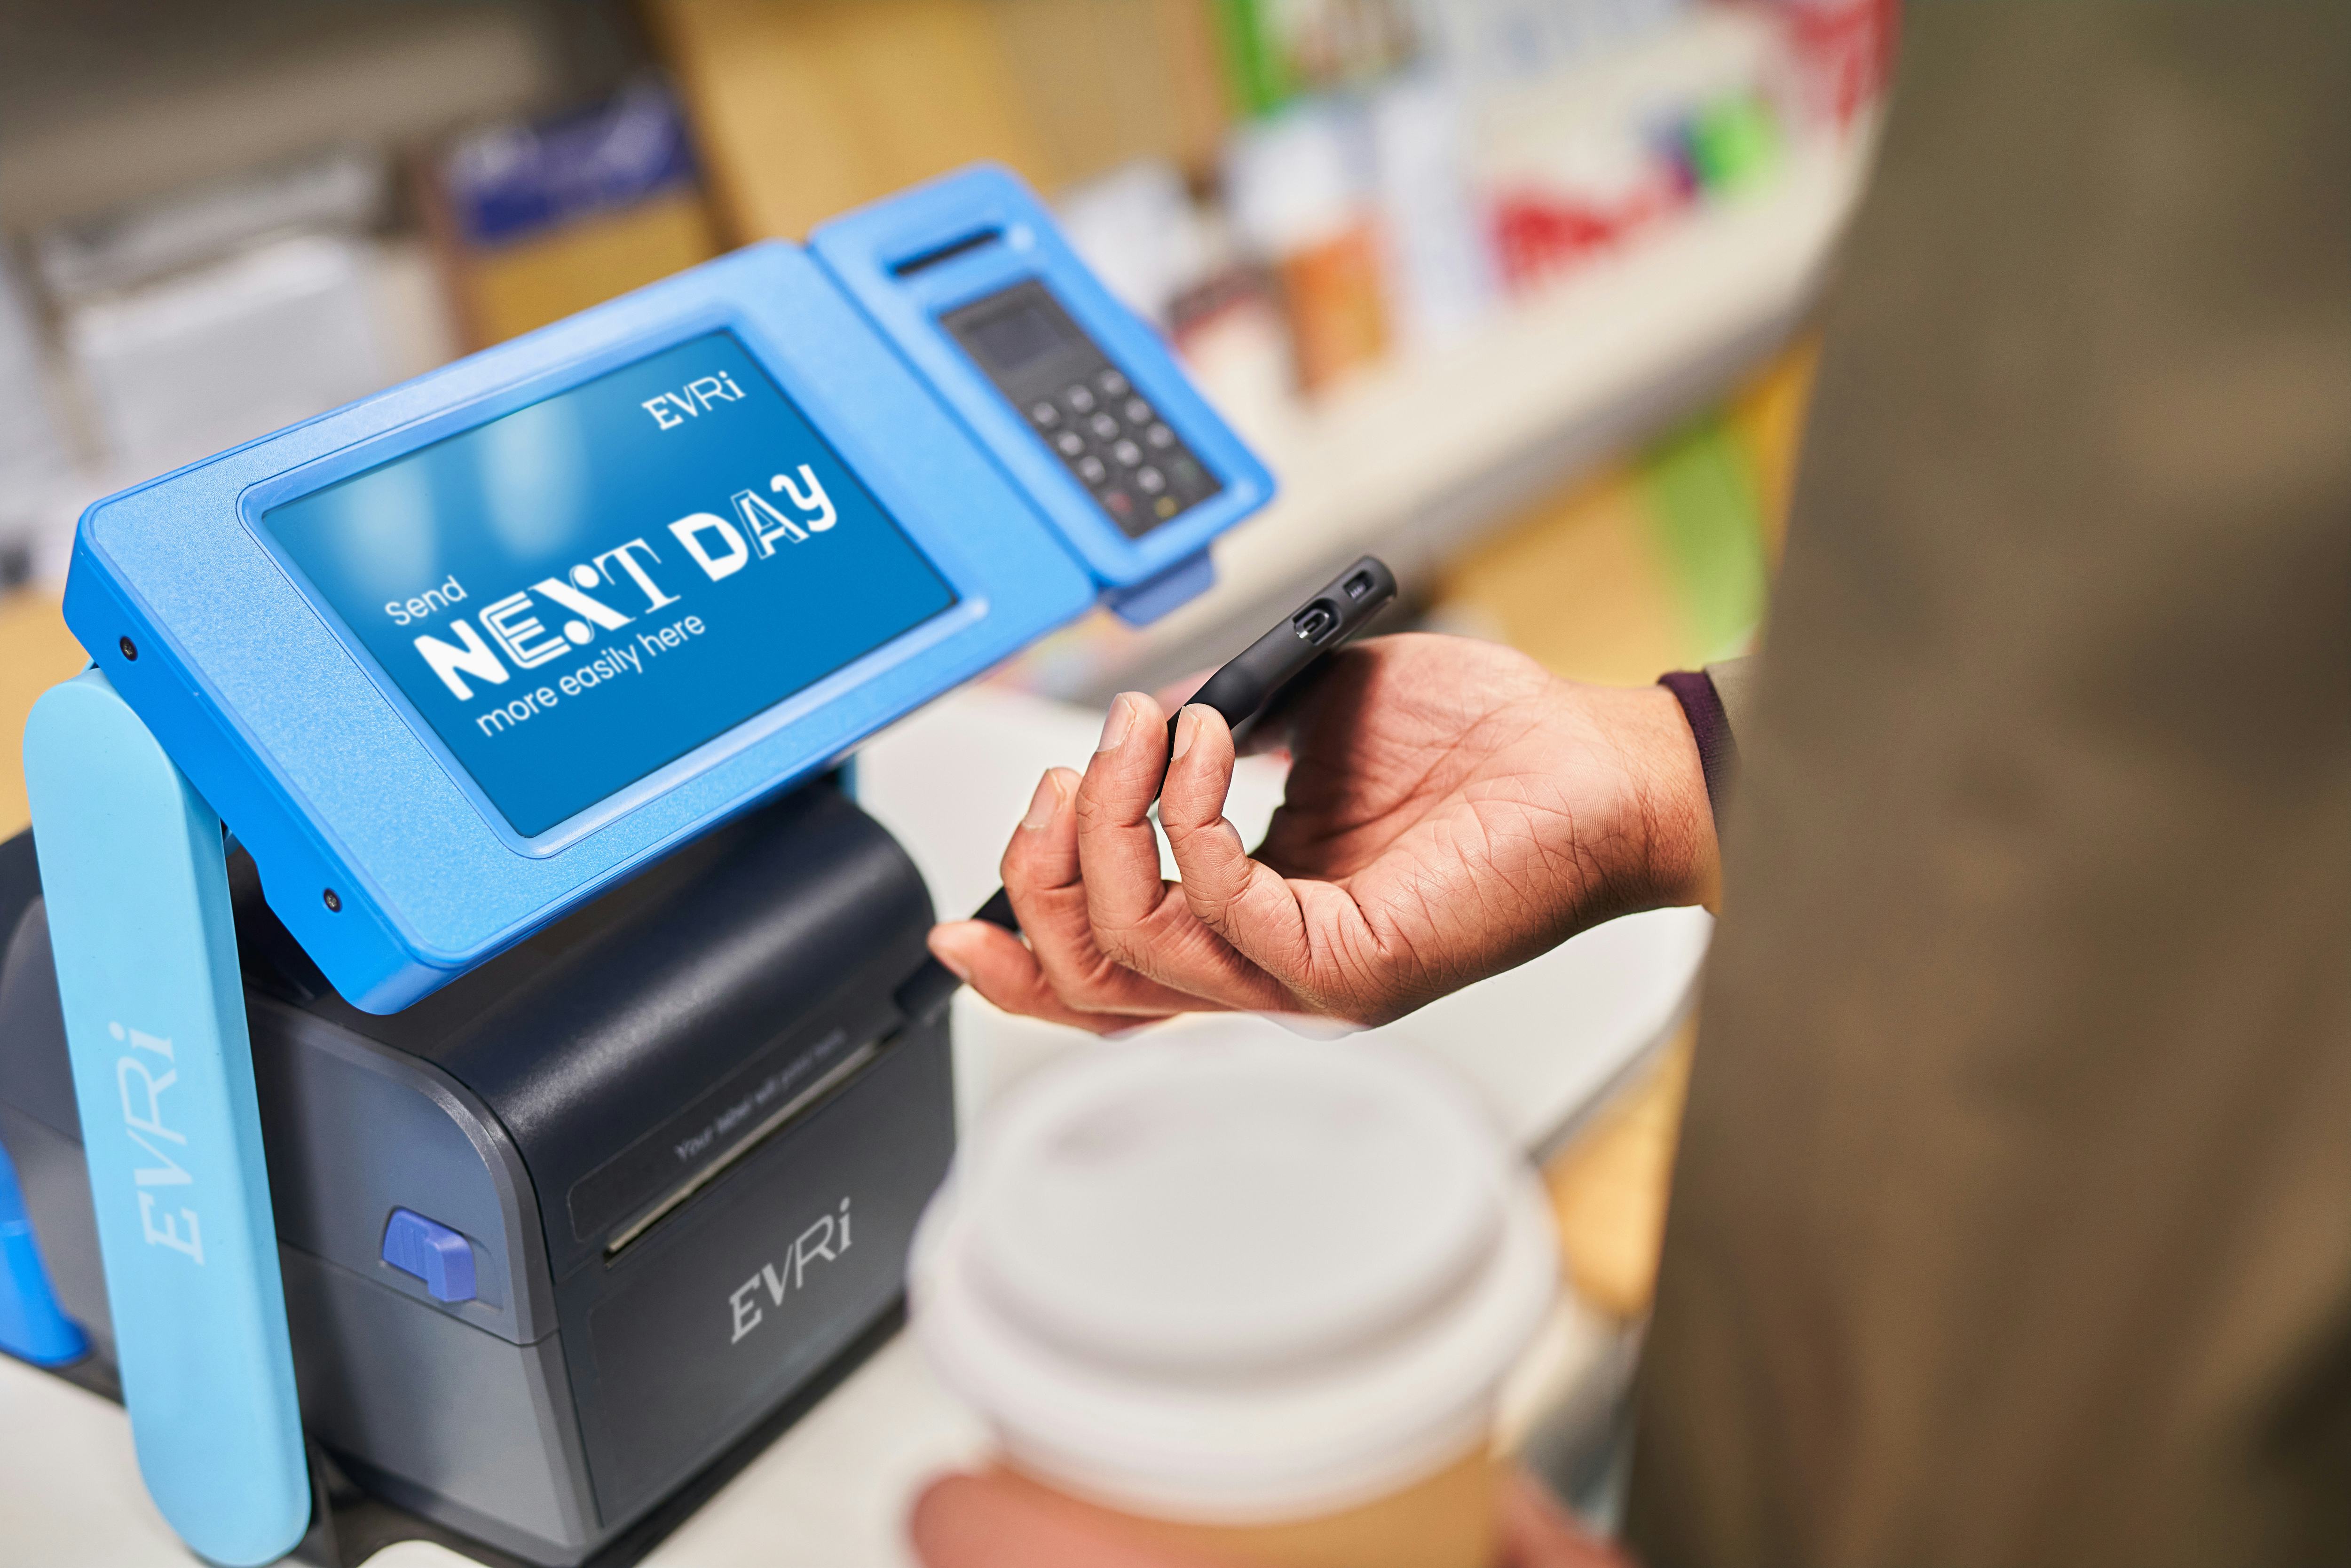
784, 1115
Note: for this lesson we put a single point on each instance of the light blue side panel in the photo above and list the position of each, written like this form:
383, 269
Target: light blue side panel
133, 870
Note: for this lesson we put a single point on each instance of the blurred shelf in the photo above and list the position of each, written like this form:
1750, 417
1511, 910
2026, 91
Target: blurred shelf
1420, 456
100, 106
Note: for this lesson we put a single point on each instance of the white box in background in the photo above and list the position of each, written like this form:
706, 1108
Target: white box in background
183, 368
32, 463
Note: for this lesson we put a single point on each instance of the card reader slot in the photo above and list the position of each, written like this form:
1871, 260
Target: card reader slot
923, 261
793, 1110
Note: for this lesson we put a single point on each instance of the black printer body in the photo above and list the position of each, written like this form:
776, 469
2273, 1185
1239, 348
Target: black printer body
564, 1236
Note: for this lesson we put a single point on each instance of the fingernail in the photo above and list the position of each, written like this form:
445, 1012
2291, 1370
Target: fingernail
954, 965
1188, 729
1043, 804
1120, 719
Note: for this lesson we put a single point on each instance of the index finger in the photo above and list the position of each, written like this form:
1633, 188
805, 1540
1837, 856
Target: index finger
1138, 919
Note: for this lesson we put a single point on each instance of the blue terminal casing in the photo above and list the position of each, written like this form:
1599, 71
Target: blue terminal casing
229, 604
32, 1326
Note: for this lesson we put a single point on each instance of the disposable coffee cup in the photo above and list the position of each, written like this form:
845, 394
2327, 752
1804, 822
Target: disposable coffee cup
1257, 1295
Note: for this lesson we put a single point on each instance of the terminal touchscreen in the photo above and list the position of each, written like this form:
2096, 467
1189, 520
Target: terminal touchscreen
584, 590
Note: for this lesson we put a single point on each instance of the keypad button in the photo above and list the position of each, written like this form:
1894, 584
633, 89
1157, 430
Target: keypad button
1092, 471
1150, 481
1071, 443
1046, 415
1112, 384
1128, 452
1138, 412
1160, 437
1119, 503
1081, 400
1165, 506
1104, 426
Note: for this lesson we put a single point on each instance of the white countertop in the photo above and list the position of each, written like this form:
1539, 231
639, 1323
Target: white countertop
1540, 1041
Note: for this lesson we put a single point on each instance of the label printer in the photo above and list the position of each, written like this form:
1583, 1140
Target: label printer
455, 1060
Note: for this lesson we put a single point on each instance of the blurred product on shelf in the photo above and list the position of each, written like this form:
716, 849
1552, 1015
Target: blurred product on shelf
188, 365
1493, 44
1603, 142
1297, 185
1278, 49
1844, 52
1436, 259
339, 191
199, 321
536, 221
31, 456
1174, 261
1399, 186
1230, 331
1138, 228
1726, 142
157, 333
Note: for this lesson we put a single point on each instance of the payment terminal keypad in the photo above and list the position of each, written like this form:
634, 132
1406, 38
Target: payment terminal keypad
1138, 470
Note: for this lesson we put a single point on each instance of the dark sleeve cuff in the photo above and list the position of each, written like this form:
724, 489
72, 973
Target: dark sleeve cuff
1717, 751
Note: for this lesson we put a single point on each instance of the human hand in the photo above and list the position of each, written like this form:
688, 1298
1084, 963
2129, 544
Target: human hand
1002, 1520
1451, 810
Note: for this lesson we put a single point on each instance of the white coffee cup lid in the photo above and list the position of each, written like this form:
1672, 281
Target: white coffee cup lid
1223, 1277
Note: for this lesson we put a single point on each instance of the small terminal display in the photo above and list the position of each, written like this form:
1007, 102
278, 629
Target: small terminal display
577, 594
1107, 434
